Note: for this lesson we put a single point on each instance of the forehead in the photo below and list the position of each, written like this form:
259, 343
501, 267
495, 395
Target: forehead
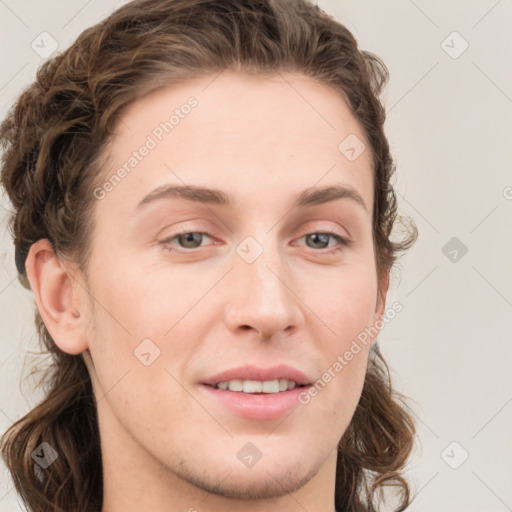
251, 133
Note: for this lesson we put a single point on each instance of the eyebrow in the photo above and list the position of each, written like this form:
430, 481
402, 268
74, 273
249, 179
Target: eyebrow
307, 198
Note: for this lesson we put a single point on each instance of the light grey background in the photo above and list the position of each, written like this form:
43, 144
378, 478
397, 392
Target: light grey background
449, 126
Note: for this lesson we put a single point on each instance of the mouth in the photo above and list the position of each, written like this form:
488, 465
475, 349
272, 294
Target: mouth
257, 387
256, 393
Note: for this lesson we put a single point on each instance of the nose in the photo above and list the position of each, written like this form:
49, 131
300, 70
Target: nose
264, 296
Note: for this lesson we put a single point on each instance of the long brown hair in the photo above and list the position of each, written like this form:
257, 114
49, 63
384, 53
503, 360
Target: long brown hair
53, 141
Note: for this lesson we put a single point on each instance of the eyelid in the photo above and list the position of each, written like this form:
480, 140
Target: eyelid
169, 239
342, 241
319, 226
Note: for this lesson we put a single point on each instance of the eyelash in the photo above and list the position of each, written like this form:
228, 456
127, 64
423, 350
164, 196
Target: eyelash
342, 242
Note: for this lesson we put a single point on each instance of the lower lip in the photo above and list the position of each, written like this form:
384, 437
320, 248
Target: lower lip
268, 406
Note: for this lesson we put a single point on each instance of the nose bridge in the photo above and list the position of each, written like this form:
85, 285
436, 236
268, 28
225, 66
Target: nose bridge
263, 299
263, 273
261, 266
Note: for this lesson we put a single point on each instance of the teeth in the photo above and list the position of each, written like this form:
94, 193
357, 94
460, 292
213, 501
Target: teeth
283, 384
235, 385
252, 386
257, 386
269, 386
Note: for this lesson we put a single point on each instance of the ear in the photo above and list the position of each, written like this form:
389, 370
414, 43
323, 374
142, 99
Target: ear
57, 297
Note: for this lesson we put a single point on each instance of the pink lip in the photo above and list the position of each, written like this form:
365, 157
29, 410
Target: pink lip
256, 406
259, 406
250, 372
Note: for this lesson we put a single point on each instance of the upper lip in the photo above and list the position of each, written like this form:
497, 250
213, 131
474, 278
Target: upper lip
250, 372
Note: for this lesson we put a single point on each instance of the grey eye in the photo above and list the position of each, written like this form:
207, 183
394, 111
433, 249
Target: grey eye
190, 240
318, 239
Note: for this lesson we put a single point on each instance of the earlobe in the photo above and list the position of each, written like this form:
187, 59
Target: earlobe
53, 292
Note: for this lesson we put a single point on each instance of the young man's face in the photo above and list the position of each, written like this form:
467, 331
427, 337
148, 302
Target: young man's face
254, 285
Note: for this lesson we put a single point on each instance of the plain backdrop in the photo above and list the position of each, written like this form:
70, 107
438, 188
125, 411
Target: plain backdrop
449, 105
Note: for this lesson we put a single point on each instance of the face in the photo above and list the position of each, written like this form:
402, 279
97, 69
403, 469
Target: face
248, 280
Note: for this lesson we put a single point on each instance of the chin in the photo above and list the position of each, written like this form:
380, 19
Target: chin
252, 483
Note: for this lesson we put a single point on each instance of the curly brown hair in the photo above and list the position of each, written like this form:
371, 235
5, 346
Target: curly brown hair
53, 142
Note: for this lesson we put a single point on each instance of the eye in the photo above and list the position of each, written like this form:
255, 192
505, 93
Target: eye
187, 240
320, 240
192, 240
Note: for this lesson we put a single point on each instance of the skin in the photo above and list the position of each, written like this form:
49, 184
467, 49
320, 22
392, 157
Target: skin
164, 443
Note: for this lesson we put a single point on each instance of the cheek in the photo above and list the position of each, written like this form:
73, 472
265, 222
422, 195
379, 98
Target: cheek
133, 298
345, 299
344, 307
138, 312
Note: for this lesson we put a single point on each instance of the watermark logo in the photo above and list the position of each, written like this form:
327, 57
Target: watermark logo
44, 44
454, 249
454, 455
454, 45
45, 455
351, 147
249, 455
249, 249
146, 352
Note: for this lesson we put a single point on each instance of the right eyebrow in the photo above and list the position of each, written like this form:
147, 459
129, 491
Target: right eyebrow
189, 192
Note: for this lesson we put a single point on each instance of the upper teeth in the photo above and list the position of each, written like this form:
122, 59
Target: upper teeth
257, 386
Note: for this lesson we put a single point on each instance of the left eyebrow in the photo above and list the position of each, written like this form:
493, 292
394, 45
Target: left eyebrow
307, 198
317, 196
